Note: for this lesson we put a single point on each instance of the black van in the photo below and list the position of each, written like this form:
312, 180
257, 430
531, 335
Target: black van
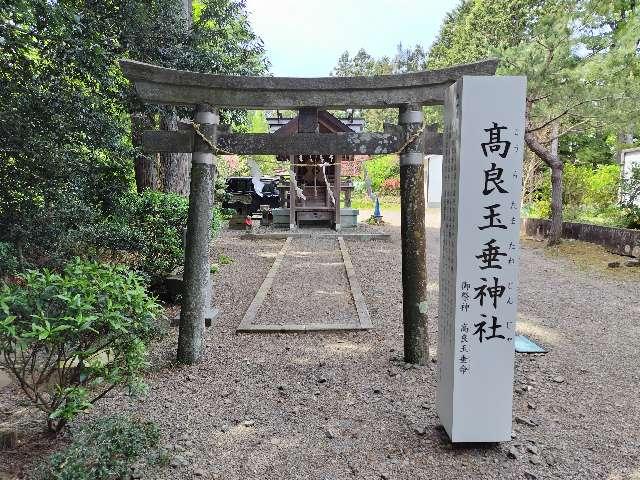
241, 196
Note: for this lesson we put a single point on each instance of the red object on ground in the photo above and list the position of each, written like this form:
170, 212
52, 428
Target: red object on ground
247, 221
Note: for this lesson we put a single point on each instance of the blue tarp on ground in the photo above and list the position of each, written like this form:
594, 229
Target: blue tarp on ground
524, 345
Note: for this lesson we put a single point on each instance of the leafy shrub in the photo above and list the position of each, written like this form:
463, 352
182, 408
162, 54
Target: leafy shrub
603, 185
381, 168
390, 186
103, 449
9, 263
631, 217
589, 195
574, 184
152, 224
539, 209
53, 234
148, 226
70, 338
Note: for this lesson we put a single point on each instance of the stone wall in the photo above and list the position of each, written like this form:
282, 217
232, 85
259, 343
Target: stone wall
622, 241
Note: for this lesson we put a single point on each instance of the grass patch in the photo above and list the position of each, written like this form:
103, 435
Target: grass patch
362, 202
587, 257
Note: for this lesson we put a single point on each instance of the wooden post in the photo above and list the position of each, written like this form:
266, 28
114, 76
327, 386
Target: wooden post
292, 193
337, 187
197, 265
347, 195
412, 228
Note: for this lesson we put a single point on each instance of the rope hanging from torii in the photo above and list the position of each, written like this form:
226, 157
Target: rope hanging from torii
220, 151
299, 192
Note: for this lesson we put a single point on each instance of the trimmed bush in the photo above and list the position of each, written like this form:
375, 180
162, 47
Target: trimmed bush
70, 338
104, 449
381, 168
149, 225
603, 186
146, 232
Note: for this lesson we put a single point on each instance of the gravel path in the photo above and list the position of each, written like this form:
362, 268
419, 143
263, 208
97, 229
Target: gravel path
310, 284
343, 405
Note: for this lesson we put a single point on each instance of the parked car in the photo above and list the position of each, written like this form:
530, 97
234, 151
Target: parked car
242, 197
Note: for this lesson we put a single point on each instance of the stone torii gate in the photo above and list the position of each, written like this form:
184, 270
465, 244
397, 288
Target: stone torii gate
484, 124
407, 92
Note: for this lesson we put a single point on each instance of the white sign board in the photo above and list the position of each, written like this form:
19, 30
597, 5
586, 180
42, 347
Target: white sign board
480, 230
630, 160
434, 180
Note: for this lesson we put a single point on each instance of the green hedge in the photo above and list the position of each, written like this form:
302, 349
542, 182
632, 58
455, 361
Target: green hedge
146, 232
590, 195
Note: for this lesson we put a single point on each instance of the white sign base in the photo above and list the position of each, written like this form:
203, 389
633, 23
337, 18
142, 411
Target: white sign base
479, 249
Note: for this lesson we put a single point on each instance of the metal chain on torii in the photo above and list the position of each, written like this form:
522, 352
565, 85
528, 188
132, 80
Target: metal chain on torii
217, 150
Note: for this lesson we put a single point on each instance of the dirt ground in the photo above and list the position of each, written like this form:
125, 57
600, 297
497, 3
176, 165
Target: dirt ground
344, 405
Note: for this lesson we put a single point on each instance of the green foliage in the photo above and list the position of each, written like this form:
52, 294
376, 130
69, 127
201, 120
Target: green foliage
381, 168
584, 186
151, 226
9, 262
63, 136
630, 186
631, 216
362, 64
603, 186
589, 147
148, 228
257, 123
538, 209
224, 259
390, 186
581, 61
590, 195
67, 158
103, 449
362, 202
477, 27
69, 338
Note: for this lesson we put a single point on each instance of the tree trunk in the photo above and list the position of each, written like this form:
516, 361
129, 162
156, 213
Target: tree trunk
555, 232
557, 167
175, 167
145, 167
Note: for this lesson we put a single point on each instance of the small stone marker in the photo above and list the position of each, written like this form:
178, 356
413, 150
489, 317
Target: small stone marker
482, 171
